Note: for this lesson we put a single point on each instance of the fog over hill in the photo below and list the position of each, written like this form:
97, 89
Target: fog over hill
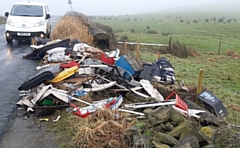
223, 8
126, 7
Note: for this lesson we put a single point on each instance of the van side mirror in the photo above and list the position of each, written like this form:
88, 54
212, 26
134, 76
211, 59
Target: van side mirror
48, 16
6, 14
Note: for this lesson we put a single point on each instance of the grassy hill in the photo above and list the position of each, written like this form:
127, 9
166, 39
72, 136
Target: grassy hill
200, 31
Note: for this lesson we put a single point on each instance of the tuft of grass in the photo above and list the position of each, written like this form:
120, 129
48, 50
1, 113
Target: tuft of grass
72, 27
101, 128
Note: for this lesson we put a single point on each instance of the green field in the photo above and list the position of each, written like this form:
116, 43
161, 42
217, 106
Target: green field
198, 31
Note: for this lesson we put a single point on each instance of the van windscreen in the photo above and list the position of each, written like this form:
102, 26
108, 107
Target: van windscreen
27, 10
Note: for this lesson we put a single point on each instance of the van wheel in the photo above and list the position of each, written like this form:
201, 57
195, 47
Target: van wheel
9, 41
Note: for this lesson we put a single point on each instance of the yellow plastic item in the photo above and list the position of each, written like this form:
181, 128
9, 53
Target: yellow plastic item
44, 119
64, 74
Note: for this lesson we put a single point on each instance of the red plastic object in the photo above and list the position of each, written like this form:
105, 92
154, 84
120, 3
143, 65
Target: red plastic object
69, 65
107, 60
179, 102
78, 112
108, 105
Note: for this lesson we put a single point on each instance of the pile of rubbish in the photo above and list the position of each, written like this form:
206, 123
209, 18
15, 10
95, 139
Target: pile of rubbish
71, 69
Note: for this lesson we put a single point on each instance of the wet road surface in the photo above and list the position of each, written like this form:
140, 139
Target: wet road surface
14, 71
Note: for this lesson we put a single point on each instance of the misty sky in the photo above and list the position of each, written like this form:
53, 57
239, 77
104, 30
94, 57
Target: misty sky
113, 7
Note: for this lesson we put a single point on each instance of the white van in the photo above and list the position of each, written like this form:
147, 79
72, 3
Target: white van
26, 20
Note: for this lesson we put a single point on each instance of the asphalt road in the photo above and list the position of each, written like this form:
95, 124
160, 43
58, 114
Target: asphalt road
14, 71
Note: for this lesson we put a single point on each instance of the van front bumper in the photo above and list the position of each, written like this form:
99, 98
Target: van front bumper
23, 35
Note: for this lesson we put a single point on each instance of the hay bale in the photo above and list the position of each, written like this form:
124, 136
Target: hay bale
72, 27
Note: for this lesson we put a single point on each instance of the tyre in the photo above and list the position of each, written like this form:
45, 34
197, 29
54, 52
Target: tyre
9, 41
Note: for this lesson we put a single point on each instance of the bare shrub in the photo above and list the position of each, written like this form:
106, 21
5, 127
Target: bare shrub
132, 30
166, 34
120, 30
195, 21
124, 38
152, 32
229, 20
221, 20
181, 51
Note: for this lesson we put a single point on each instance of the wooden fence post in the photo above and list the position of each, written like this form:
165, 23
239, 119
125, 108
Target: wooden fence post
137, 52
125, 46
170, 43
158, 55
199, 85
219, 47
